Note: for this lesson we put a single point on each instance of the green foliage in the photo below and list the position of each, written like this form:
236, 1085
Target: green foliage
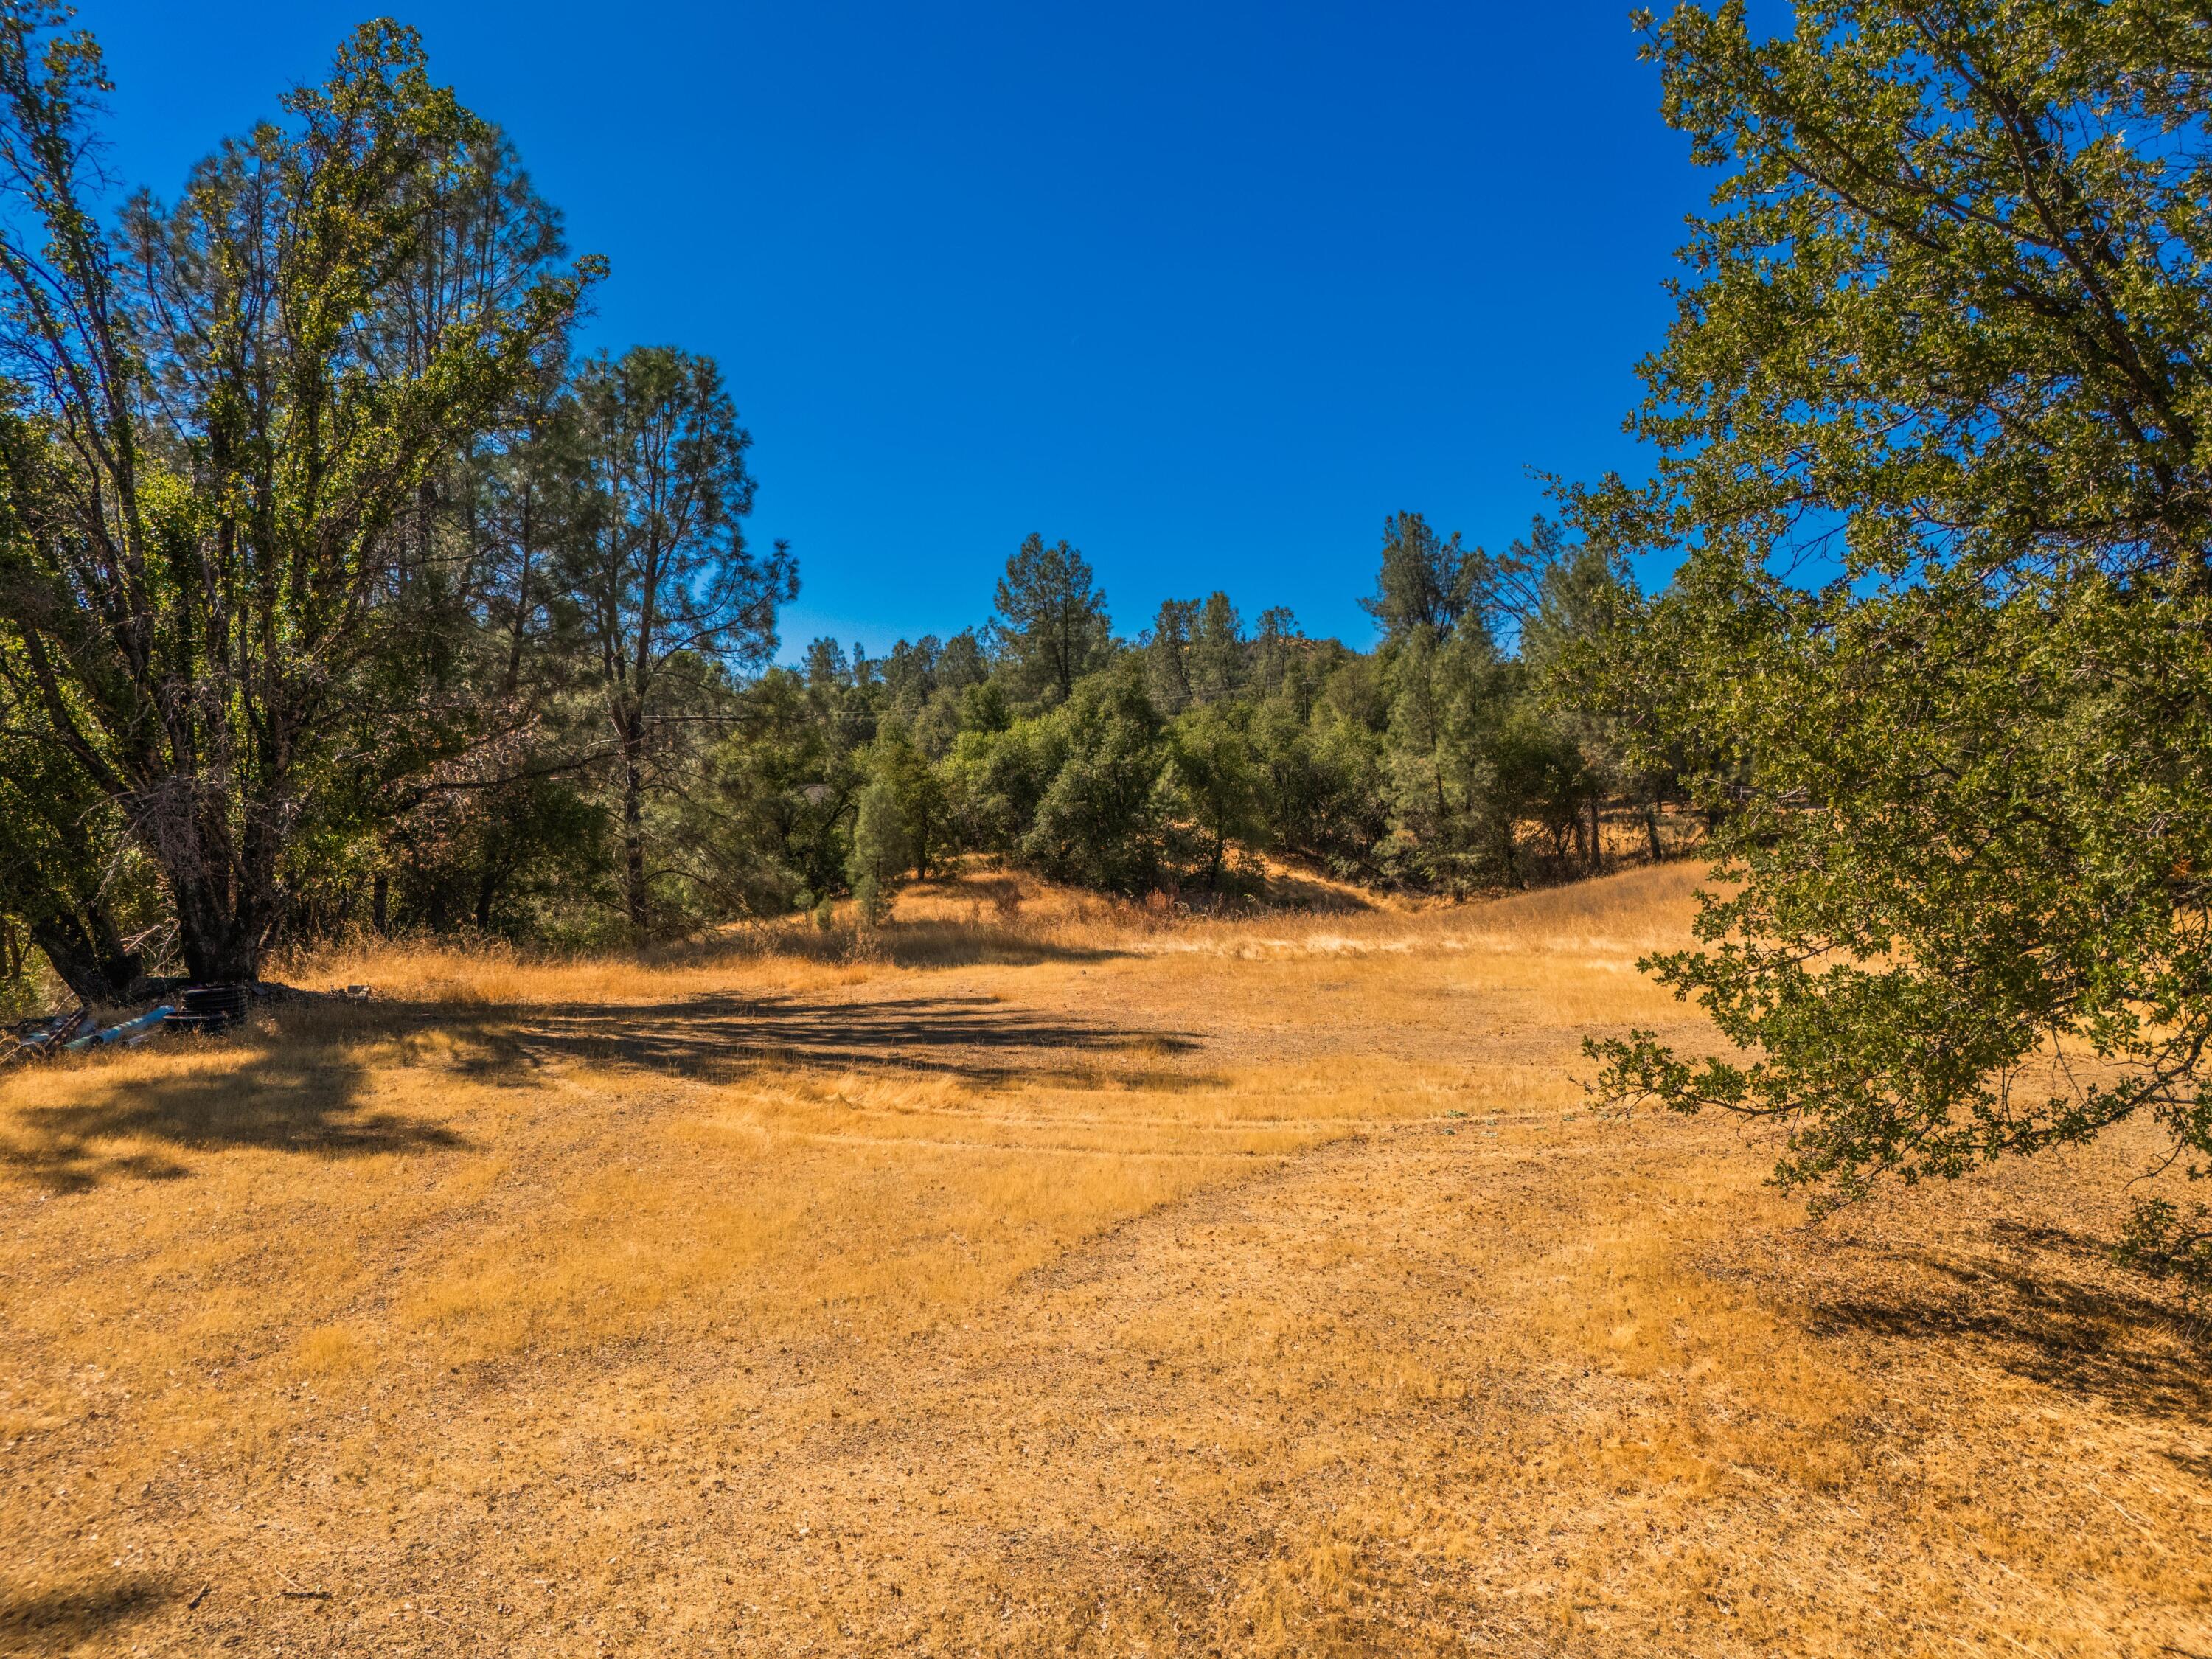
1946, 330
786, 782
1053, 622
1320, 773
69, 878
882, 847
999, 776
1426, 580
1168, 655
190, 586
1102, 820
1448, 700
1218, 784
1196, 654
1967, 842
1177, 762
671, 598
918, 791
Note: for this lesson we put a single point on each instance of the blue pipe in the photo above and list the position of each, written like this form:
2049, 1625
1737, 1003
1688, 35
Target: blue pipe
145, 1022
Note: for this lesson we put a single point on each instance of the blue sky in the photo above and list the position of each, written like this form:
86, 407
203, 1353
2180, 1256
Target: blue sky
1206, 289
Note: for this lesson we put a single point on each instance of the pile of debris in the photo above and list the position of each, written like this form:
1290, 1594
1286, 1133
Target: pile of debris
193, 1011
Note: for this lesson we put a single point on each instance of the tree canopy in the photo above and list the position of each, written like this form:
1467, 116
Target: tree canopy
205, 444
1928, 425
1055, 621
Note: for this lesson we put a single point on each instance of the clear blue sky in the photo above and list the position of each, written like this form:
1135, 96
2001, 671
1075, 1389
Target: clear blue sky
1207, 289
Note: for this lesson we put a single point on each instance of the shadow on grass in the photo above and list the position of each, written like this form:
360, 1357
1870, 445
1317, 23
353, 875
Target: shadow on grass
2050, 1314
933, 942
297, 1084
56, 1620
1293, 890
284, 1090
724, 1037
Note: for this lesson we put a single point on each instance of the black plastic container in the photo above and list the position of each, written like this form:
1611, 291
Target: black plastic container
209, 1008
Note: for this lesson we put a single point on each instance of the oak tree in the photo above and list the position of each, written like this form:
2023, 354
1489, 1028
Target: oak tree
208, 446
1932, 423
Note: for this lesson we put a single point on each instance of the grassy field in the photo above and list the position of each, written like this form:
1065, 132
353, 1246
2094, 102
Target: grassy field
1051, 1278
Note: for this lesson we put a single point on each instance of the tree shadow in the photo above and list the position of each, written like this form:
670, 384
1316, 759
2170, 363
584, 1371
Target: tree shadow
296, 1083
58, 1620
1294, 889
2051, 1315
927, 943
287, 1089
726, 1037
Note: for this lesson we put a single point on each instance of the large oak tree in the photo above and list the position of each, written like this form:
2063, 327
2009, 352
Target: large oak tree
216, 419
1934, 424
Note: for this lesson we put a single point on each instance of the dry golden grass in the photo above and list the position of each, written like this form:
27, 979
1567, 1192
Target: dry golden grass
1047, 1276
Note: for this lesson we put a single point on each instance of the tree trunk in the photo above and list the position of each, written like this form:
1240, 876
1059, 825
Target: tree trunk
73, 960
1651, 831
426, 514
633, 818
226, 956
380, 903
521, 601
220, 946
222, 880
1596, 845
488, 885
88, 957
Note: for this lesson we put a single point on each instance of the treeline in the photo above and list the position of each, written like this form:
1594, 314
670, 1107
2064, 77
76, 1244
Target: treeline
1446, 760
595, 790
337, 593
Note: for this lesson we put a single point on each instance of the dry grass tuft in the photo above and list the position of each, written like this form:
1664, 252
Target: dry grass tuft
1047, 1275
